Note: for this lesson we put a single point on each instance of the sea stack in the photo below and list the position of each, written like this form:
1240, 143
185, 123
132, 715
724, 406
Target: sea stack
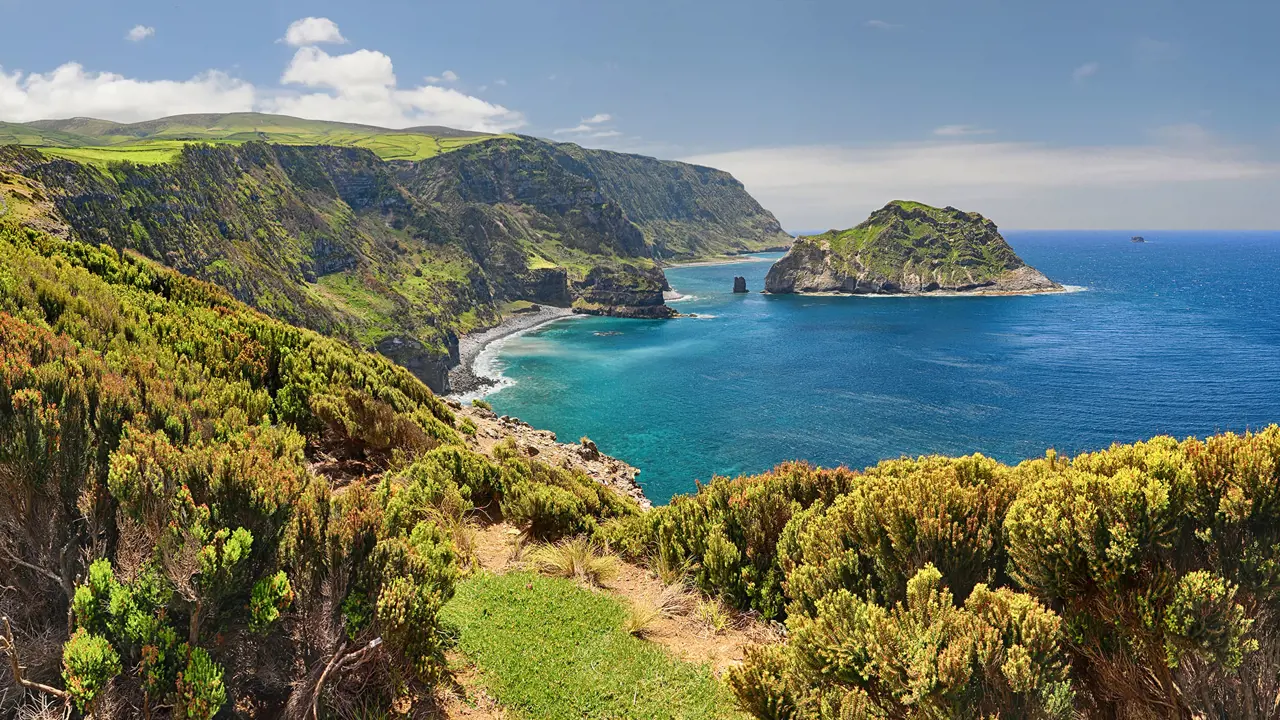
739, 284
908, 248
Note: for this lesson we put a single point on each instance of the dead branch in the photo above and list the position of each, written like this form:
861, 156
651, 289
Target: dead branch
10, 648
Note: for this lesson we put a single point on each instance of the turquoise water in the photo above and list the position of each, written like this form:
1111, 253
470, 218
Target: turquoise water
1180, 335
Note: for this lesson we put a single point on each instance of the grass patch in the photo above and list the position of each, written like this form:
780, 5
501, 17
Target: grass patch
550, 649
150, 153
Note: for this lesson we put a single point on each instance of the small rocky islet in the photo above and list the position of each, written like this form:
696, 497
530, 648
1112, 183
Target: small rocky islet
908, 248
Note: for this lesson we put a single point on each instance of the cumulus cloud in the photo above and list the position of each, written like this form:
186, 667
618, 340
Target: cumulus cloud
313, 31
72, 91
1085, 71
359, 86
960, 131
1169, 182
139, 33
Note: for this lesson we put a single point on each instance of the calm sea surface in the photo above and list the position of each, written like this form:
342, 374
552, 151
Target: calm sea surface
1179, 336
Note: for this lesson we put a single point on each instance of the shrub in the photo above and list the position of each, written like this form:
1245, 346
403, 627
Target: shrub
904, 514
200, 690
728, 533
270, 596
88, 664
997, 654
477, 402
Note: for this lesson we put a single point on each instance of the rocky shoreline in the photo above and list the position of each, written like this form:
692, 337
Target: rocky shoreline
542, 445
463, 379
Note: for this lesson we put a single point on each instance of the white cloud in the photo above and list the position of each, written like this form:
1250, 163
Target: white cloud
70, 91
576, 130
607, 134
1167, 183
1085, 71
313, 31
588, 125
500, 82
881, 25
447, 76
359, 86
139, 33
960, 131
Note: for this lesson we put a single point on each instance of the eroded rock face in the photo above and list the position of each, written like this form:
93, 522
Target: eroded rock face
428, 365
908, 248
739, 284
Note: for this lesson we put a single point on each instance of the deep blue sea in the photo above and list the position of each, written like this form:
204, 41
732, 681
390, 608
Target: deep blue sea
1179, 336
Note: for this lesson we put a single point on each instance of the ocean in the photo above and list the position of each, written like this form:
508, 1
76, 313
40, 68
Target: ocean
1179, 335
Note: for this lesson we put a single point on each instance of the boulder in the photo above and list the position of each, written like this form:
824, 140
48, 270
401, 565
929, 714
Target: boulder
739, 284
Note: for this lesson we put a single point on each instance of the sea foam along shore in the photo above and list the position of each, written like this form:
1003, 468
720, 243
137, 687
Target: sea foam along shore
475, 375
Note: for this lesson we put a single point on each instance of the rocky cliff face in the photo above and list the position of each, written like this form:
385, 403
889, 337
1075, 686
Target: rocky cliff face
908, 248
686, 211
404, 256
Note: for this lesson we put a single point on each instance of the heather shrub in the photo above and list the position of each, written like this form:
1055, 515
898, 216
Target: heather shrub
997, 655
904, 514
88, 664
1163, 557
728, 533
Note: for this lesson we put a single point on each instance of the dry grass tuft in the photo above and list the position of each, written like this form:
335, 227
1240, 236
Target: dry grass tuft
640, 621
577, 559
675, 601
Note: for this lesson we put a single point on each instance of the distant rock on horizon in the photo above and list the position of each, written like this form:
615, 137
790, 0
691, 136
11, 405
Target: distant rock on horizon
908, 248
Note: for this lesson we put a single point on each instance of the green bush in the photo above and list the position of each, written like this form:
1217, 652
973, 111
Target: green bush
729, 531
270, 596
999, 654
200, 690
88, 664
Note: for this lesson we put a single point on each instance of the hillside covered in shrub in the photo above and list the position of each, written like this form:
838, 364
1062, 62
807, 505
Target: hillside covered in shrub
204, 510
1136, 582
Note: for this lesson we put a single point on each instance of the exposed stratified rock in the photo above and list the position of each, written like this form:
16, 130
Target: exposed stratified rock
739, 284
908, 248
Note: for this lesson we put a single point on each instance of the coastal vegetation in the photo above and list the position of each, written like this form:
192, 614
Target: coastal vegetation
907, 247
199, 500
1139, 581
209, 511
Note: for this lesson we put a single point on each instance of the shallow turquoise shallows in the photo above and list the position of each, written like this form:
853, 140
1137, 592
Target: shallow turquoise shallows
1179, 335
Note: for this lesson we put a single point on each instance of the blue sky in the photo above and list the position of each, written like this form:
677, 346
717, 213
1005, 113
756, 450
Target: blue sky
1120, 114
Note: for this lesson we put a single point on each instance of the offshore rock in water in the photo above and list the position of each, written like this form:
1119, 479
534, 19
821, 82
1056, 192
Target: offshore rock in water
908, 248
739, 284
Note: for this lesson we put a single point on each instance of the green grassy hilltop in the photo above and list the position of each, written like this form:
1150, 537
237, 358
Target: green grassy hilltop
157, 141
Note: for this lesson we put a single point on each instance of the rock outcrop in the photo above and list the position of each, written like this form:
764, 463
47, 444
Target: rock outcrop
739, 284
908, 248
